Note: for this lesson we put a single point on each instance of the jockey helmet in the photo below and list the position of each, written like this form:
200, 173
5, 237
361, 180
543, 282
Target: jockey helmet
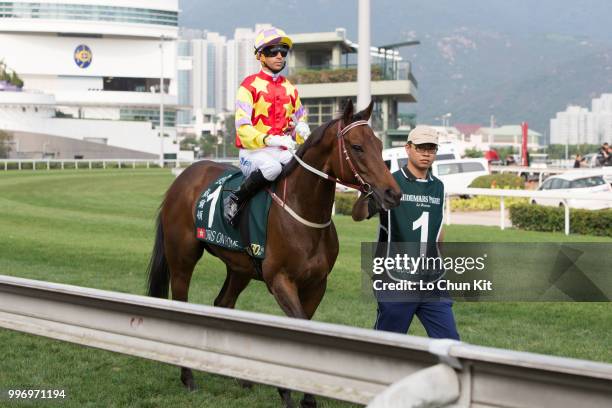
271, 36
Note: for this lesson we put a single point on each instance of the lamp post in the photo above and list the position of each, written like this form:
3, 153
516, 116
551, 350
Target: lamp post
161, 103
363, 56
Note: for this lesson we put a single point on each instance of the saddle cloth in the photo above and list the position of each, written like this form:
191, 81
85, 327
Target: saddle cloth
211, 227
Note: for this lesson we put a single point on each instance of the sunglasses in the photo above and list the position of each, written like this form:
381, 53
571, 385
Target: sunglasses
272, 51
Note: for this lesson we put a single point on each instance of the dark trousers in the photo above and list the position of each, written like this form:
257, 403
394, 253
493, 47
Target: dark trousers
436, 317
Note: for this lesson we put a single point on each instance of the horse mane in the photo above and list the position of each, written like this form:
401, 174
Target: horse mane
313, 140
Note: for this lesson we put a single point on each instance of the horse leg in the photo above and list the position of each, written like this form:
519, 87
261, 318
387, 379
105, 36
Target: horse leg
310, 299
286, 294
182, 261
232, 287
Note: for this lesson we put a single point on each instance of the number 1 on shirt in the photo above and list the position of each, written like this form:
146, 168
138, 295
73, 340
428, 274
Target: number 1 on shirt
423, 223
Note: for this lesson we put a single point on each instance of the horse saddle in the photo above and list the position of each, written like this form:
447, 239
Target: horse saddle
211, 227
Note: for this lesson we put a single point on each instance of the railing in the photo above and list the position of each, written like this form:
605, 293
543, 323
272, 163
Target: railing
340, 362
392, 71
89, 164
541, 171
604, 197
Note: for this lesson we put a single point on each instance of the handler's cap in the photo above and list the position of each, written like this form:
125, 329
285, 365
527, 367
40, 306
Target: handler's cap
423, 134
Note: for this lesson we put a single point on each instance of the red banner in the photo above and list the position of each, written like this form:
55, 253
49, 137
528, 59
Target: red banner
524, 153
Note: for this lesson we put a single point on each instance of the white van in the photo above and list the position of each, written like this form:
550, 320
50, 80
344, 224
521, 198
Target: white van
451, 169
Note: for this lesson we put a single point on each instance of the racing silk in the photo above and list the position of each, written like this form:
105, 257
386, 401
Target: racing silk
264, 106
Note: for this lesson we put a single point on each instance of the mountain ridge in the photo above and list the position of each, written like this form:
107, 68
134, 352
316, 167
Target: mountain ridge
515, 59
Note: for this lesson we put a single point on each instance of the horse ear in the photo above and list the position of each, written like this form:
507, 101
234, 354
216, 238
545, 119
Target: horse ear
348, 112
367, 112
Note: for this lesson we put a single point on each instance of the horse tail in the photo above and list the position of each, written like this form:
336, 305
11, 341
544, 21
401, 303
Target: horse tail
159, 273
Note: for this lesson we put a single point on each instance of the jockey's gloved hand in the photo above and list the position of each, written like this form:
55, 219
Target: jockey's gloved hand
280, 141
303, 130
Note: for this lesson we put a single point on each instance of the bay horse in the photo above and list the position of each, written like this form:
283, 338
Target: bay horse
294, 270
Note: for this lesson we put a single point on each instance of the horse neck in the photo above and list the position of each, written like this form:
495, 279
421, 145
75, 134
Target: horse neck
310, 195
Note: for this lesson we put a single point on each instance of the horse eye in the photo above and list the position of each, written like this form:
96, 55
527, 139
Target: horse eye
357, 148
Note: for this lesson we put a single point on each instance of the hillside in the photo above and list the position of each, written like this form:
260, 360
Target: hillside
515, 59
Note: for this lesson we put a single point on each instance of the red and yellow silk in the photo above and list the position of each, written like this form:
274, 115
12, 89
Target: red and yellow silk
264, 106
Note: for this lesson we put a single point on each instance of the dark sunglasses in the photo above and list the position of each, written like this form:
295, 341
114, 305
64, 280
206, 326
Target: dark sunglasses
272, 51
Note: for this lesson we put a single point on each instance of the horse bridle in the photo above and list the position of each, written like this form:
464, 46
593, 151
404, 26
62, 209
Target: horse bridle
363, 186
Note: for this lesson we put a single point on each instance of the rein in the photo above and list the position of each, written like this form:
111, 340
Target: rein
363, 186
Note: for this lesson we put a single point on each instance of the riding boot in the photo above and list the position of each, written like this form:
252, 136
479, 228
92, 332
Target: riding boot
236, 200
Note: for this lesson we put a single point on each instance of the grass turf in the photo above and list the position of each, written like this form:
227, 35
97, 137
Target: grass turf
96, 228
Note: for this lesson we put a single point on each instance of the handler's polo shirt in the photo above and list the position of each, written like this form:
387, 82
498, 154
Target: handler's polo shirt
418, 218
416, 224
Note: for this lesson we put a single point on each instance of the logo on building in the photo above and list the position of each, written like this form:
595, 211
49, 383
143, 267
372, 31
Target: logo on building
83, 56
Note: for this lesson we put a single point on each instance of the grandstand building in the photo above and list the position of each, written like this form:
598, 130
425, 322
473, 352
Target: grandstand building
91, 73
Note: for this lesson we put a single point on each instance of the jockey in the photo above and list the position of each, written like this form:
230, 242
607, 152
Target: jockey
268, 110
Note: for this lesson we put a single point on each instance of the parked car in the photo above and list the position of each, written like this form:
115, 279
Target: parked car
587, 183
459, 174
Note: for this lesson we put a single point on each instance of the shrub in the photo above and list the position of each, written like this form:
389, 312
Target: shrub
542, 218
484, 203
345, 202
508, 181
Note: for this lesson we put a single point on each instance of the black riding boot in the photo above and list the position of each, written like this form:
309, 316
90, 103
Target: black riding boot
236, 200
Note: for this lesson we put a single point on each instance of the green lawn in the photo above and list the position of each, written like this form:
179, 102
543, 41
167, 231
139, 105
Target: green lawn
96, 228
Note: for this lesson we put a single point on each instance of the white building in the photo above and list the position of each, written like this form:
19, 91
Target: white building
201, 81
323, 67
578, 125
91, 72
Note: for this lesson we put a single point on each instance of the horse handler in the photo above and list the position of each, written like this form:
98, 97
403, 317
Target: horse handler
267, 109
416, 220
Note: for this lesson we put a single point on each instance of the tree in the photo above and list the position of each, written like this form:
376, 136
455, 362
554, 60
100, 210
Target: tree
557, 151
5, 144
188, 143
15, 80
473, 153
229, 137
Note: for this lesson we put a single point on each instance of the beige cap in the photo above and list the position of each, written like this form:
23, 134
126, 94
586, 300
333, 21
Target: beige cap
423, 134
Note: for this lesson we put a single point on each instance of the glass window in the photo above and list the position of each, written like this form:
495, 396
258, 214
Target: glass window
559, 183
61, 11
469, 167
450, 168
134, 84
546, 185
588, 182
150, 115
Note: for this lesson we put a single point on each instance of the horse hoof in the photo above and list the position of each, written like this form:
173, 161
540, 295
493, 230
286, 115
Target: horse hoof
308, 402
286, 397
187, 380
245, 384
190, 385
